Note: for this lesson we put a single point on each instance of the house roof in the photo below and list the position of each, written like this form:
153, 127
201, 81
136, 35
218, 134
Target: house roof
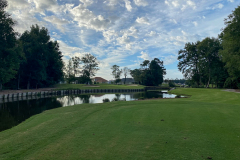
100, 79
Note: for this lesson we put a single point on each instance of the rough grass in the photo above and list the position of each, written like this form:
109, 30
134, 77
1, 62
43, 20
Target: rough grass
97, 86
201, 127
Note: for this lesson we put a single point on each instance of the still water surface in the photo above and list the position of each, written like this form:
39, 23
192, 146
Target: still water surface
13, 113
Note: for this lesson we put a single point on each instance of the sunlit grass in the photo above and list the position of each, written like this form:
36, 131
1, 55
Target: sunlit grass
206, 125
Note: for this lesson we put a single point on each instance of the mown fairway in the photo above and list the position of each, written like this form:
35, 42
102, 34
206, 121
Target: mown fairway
207, 125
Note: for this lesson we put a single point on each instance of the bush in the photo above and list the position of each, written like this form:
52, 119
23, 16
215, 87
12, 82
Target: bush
141, 98
114, 99
105, 100
178, 96
171, 84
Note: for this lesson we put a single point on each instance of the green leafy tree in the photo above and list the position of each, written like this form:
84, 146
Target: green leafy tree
69, 74
90, 65
76, 65
116, 72
189, 62
43, 66
230, 37
208, 50
137, 75
157, 71
10, 49
153, 75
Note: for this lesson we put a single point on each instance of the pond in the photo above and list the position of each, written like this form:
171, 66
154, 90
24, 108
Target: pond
15, 112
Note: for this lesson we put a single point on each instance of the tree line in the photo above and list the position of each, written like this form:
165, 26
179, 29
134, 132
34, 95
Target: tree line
30, 60
214, 60
81, 69
150, 73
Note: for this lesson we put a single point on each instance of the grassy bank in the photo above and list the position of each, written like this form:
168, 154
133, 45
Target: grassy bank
96, 86
201, 127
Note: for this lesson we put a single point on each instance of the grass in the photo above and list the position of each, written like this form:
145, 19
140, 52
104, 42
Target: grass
201, 127
98, 86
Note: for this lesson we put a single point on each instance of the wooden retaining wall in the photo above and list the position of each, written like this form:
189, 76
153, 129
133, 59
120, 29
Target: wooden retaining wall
34, 95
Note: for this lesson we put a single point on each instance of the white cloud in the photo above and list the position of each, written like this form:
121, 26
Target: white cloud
151, 34
173, 20
133, 32
141, 2
217, 6
110, 35
170, 59
124, 39
142, 20
175, 3
195, 23
188, 4
57, 22
220, 5
41, 6
128, 5
86, 18
86, 2
144, 56
230, 1
173, 74
111, 2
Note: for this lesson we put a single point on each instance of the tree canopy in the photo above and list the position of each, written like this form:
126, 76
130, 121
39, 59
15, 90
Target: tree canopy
230, 52
10, 48
151, 73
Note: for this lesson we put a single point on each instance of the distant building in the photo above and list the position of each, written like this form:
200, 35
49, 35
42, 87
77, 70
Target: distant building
128, 81
99, 80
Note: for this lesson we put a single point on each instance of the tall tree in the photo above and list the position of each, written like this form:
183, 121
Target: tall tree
55, 64
230, 37
10, 49
76, 65
189, 62
208, 50
157, 71
126, 71
137, 75
44, 64
90, 64
116, 72
69, 71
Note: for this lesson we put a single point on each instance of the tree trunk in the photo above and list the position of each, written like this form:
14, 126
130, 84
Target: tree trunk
0, 86
18, 81
209, 74
125, 80
28, 84
208, 82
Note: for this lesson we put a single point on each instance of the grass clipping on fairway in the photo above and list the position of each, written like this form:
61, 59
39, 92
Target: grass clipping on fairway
204, 126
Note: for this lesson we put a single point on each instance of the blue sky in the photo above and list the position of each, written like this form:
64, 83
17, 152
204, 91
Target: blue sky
124, 32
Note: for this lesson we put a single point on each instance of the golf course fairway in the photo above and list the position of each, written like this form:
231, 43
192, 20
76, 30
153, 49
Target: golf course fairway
204, 126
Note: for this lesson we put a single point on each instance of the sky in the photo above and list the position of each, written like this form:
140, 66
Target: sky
124, 32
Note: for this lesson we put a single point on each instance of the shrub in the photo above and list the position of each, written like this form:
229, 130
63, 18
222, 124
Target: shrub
171, 84
114, 99
105, 100
178, 96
